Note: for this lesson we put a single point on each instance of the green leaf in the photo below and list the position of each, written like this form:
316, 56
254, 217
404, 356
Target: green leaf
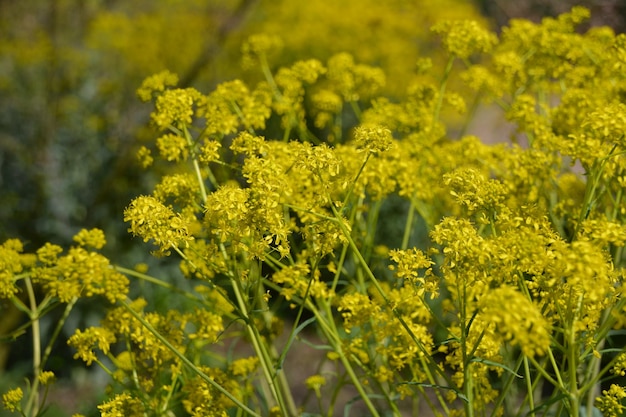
498, 365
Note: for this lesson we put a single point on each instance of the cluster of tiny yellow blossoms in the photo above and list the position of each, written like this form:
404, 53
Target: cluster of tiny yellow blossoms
153, 221
11, 399
78, 273
175, 107
372, 139
507, 262
92, 338
411, 263
12, 262
233, 105
610, 404
516, 319
122, 405
202, 399
258, 47
515, 261
156, 84
465, 38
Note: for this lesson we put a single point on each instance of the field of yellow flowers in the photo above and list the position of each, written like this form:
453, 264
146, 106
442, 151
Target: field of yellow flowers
329, 211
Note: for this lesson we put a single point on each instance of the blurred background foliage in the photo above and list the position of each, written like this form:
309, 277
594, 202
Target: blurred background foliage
70, 122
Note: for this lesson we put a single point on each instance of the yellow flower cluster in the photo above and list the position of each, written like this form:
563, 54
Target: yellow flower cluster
11, 399
92, 338
465, 38
507, 261
610, 404
516, 319
122, 405
153, 221
12, 262
78, 273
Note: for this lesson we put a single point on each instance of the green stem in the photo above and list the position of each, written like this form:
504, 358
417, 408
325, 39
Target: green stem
442, 89
408, 226
186, 361
355, 108
32, 405
332, 335
379, 288
196, 166
275, 379
57, 331
265, 68
156, 281
529, 388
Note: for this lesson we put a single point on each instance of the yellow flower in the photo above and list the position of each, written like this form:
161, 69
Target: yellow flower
356, 310
209, 151
473, 190
411, 264
152, 220
93, 238
10, 264
610, 404
156, 84
85, 341
12, 398
619, 368
48, 253
122, 405
81, 272
244, 366
372, 138
175, 107
517, 319
354, 81
258, 47
315, 383
46, 377
463, 38
172, 147
144, 156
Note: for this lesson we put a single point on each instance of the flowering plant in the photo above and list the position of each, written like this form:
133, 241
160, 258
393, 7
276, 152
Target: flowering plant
500, 294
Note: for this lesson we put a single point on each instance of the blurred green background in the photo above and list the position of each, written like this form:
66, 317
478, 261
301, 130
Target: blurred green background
70, 122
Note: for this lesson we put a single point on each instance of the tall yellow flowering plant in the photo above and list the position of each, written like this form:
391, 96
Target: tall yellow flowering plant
281, 202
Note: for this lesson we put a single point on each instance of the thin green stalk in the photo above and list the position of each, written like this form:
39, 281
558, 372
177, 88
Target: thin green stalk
529, 388
408, 226
594, 176
57, 330
342, 259
156, 281
594, 389
185, 360
196, 166
356, 109
332, 335
507, 384
468, 381
574, 395
292, 333
32, 405
281, 394
265, 68
442, 89
352, 183
379, 288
